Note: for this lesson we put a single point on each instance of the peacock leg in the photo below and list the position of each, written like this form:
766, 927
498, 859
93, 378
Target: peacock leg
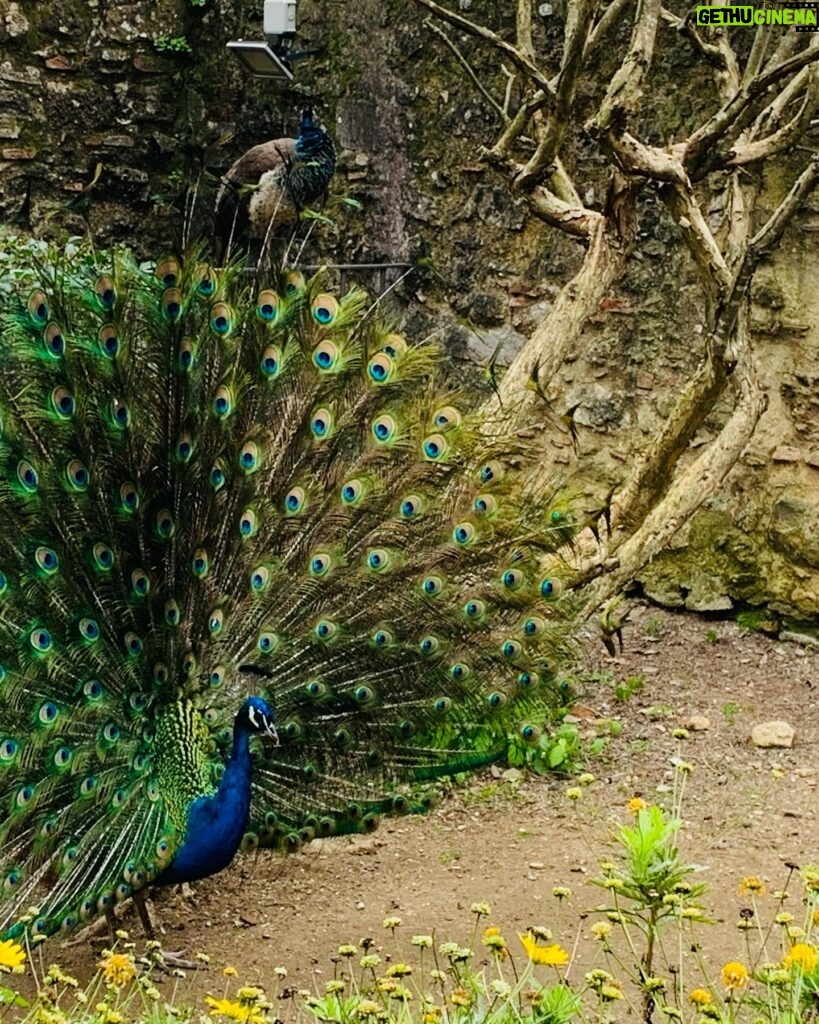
144, 915
168, 959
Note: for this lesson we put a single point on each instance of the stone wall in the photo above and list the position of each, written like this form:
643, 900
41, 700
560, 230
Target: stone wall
108, 111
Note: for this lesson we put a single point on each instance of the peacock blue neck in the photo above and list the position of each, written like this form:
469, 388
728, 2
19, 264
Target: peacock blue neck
217, 823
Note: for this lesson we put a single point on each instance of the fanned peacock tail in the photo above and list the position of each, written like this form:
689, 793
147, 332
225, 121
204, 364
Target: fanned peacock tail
209, 490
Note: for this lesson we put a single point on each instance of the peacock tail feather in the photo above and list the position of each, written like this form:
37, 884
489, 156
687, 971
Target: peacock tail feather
210, 489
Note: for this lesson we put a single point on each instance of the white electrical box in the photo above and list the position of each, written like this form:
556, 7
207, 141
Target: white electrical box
279, 17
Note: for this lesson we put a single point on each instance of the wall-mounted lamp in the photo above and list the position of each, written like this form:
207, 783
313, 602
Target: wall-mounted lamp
264, 59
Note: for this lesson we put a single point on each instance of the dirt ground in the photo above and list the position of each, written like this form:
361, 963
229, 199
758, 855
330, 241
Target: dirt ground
509, 842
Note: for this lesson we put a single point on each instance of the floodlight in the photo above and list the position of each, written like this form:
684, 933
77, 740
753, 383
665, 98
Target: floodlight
259, 57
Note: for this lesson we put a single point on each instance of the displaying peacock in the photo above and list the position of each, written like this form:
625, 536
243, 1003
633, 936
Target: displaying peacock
268, 187
232, 512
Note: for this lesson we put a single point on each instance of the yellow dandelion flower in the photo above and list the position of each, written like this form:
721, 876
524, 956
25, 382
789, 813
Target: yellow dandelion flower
234, 1010
574, 793
431, 1015
601, 930
460, 997
12, 956
700, 997
229, 971
635, 805
734, 975
554, 955
801, 955
117, 969
751, 886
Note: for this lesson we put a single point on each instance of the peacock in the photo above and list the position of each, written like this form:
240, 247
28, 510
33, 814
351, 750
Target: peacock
263, 577
269, 185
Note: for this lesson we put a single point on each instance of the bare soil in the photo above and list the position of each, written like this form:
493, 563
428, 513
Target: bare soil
508, 842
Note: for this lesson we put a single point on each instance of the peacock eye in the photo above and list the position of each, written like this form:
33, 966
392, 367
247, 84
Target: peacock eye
27, 476
120, 414
429, 644
351, 492
171, 613
200, 563
460, 670
171, 304
128, 497
320, 564
187, 354
249, 457
378, 559
485, 504
446, 417
435, 447
411, 506
512, 579
140, 582
37, 306
325, 309
108, 340
106, 292
53, 340
47, 561
267, 306
183, 450
40, 639
260, 578
77, 475
267, 641
206, 281
394, 345
511, 649
295, 500
62, 402
221, 319
217, 477
271, 361
165, 526
321, 423
216, 621
133, 645
327, 356
223, 402
380, 368
325, 629
248, 523
168, 272
432, 586
384, 428
464, 534
89, 629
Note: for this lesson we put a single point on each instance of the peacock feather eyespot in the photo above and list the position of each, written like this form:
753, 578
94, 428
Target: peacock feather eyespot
485, 505
27, 476
267, 641
511, 649
189, 664
120, 413
491, 472
435, 447
216, 621
140, 583
271, 361
429, 644
160, 674
137, 701
260, 579
4, 584
325, 629
327, 357
48, 713
321, 423
411, 506
221, 319
381, 368
89, 630
475, 609
168, 272
118, 798
394, 345
496, 700
183, 449
464, 534
556, 515
128, 497
105, 292
267, 305
512, 579
248, 523
109, 733
217, 676
187, 354
171, 613
432, 586
295, 501
171, 304
152, 790
530, 733
77, 475
108, 341
249, 457
534, 626
163, 849
378, 559
61, 759
383, 638
40, 639
88, 785
37, 306
217, 477
363, 694
54, 341
47, 560
92, 690
320, 564
294, 283
446, 418
9, 749
315, 688
325, 309
223, 402
528, 680
133, 644
384, 428
200, 563
206, 280
103, 557
343, 738
550, 587
62, 403
441, 705
164, 524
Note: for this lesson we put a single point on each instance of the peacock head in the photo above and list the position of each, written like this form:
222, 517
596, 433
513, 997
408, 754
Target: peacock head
256, 716
312, 140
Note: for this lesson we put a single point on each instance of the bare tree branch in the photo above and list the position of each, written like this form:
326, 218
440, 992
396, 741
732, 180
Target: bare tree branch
523, 32
430, 24
780, 141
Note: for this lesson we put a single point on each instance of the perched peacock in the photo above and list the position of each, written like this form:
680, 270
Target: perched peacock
269, 185
232, 512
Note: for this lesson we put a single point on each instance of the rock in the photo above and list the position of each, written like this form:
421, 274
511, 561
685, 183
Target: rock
773, 734
799, 638
697, 723
786, 453
812, 459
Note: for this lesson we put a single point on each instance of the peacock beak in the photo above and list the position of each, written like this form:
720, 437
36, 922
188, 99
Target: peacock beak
269, 730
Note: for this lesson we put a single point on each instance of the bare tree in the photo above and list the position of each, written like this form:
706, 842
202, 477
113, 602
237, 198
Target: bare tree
764, 104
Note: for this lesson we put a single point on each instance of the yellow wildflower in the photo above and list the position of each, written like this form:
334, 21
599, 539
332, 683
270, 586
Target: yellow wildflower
493, 940
635, 805
234, 1010
554, 954
424, 941
108, 1014
398, 970
12, 956
801, 955
336, 985
601, 930
392, 922
700, 997
431, 1015
117, 969
368, 1008
815, 918
734, 975
229, 971
611, 991
574, 793
460, 997
751, 886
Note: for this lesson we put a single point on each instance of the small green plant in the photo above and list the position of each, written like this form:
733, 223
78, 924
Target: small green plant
626, 689
172, 44
713, 636
730, 711
653, 626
